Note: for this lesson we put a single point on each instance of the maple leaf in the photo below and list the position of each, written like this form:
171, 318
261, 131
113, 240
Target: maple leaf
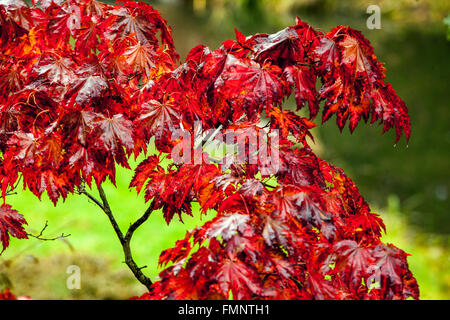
227, 181
178, 282
274, 231
143, 172
95, 8
86, 89
390, 109
91, 162
159, 117
141, 58
252, 187
312, 214
248, 139
227, 226
27, 144
64, 21
304, 82
309, 37
55, 68
248, 85
128, 21
354, 56
367, 222
174, 191
285, 202
178, 253
56, 185
358, 56
12, 78
51, 147
289, 122
79, 124
328, 54
11, 30
352, 77
11, 224
88, 36
209, 197
322, 289
281, 47
142, 21
8, 120
391, 273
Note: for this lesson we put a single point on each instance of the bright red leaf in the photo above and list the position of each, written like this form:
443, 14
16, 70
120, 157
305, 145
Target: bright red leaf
11, 224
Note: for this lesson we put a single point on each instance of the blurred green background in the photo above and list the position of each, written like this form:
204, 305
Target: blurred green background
408, 186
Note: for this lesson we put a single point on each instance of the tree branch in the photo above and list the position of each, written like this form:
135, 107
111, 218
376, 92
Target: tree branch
124, 240
39, 236
268, 185
139, 222
91, 197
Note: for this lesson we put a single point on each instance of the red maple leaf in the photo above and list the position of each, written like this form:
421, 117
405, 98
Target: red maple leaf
354, 261
114, 133
249, 86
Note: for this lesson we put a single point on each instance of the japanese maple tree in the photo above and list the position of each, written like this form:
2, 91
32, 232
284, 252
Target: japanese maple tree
84, 86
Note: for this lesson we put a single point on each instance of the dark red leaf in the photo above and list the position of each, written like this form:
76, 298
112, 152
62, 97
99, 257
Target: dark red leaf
11, 224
